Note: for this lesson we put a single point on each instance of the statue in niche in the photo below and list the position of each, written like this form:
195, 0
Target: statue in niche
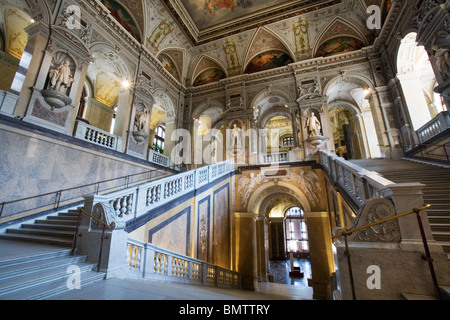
443, 62
140, 120
314, 126
60, 77
237, 136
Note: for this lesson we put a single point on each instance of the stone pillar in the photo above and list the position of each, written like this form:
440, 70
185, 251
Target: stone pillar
246, 249
407, 196
262, 233
321, 253
112, 249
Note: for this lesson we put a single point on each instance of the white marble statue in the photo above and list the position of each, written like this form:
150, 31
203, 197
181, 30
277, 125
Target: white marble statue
60, 77
313, 125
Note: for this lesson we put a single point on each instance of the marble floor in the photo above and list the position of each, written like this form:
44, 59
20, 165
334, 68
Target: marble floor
280, 269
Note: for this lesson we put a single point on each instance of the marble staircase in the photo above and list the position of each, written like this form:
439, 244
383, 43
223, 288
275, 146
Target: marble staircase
30, 271
56, 229
436, 191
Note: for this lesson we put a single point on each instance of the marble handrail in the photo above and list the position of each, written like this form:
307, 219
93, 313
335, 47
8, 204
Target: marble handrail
360, 184
133, 202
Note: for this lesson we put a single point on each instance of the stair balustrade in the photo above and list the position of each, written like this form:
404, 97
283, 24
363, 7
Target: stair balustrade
148, 261
136, 201
358, 183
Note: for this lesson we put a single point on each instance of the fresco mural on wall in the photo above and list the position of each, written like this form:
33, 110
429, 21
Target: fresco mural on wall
209, 76
16, 37
123, 17
169, 65
338, 45
268, 60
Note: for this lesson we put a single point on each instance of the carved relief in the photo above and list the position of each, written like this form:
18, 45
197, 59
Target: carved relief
375, 210
306, 179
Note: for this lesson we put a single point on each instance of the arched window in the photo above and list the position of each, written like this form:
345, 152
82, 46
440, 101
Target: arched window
160, 136
288, 142
296, 231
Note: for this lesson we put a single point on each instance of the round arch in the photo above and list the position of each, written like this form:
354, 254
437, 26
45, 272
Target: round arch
417, 79
269, 188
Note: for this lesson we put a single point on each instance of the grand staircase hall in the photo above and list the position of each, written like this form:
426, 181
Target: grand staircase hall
225, 150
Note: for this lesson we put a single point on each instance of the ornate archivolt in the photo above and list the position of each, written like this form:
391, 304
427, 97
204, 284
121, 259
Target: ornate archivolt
305, 185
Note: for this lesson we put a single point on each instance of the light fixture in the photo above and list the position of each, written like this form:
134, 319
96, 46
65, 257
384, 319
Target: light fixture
125, 84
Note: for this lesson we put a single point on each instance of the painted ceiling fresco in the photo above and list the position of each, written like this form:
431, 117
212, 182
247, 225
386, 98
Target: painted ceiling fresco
215, 19
123, 17
207, 13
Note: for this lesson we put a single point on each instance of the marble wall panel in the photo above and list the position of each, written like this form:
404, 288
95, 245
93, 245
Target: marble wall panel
203, 227
174, 233
32, 164
221, 227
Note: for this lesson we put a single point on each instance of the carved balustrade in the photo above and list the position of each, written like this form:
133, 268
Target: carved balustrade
358, 183
133, 202
146, 260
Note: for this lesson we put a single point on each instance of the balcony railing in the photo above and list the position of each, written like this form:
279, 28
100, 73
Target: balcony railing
274, 158
158, 158
437, 125
96, 136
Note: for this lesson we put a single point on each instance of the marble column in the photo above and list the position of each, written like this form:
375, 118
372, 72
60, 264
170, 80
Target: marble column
246, 249
321, 253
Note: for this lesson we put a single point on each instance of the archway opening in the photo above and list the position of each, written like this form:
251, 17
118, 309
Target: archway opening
346, 134
289, 247
418, 81
354, 124
279, 135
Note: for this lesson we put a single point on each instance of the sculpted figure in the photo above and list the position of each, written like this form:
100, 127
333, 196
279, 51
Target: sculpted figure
313, 125
60, 77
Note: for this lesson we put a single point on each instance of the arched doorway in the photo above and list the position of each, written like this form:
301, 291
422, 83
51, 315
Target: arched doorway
418, 81
354, 127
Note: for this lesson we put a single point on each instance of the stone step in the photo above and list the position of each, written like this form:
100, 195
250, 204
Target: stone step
56, 287
42, 232
33, 267
63, 227
10, 287
55, 221
63, 218
439, 219
40, 239
53, 254
441, 236
440, 226
437, 212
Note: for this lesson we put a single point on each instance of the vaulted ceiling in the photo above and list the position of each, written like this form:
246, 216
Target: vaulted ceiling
208, 20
